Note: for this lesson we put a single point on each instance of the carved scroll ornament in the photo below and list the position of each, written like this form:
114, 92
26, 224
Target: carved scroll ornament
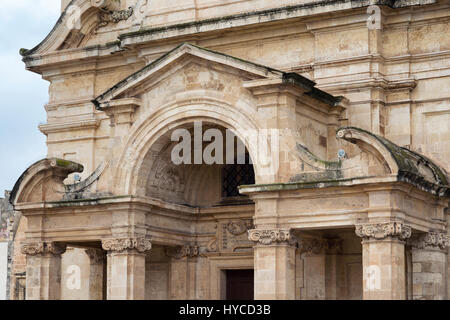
272, 236
35, 248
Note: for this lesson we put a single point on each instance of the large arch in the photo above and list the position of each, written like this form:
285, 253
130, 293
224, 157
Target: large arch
135, 161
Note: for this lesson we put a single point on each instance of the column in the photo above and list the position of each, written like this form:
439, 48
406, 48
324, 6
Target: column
332, 283
429, 266
126, 268
384, 270
274, 264
183, 272
96, 273
43, 280
313, 253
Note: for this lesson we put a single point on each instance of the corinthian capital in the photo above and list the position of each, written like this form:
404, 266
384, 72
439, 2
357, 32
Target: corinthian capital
141, 245
381, 231
271, 236
96, 256
432, 240
35, 248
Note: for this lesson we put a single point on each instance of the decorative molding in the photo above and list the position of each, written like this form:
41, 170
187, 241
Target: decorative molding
239, 227
233, 235
272, 236
430, 240
141, 245
183, 252
96, 256
212, 246
35, 248
381, 231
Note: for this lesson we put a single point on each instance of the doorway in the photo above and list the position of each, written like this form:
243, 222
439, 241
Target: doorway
240, 284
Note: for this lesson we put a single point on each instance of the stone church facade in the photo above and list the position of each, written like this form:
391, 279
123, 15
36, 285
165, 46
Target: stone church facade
346, 198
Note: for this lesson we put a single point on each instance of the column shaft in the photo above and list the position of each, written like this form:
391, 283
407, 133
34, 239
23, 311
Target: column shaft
96, 273
429, 266
126, 268
126, 276
274, 264
43, 270
384, 271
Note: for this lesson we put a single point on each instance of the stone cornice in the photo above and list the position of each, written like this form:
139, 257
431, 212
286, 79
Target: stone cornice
69, 126
272, 236
430, 240
141, 245
380, 231
41, 248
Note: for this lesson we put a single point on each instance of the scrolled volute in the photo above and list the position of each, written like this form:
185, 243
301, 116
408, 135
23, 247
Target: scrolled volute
433, 240
272, 236
141, 245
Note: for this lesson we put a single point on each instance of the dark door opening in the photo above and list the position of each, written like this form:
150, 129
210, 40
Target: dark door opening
240, 284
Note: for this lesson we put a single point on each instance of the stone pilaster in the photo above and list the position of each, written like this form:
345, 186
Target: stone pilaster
43, 280
274, 264
313, 253
96, 273
183, 271
384, 272
429, 265
126, 268
332, 254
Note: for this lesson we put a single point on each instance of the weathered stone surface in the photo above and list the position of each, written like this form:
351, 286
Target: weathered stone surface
361, 140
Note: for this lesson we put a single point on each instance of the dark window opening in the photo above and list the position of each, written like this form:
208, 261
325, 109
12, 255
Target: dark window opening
240, 284
235, 175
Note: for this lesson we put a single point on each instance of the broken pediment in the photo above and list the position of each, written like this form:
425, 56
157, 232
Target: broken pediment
377, 157
43, 181
78, 23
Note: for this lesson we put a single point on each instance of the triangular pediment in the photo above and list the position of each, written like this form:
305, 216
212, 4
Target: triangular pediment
253, 74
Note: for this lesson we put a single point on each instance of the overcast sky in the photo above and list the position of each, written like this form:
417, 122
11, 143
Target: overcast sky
23, 24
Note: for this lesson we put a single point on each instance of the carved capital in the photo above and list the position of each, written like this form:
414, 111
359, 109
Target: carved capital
272, 236
312, 246
114, 16
381, 231
183, 252
141, 245
334, 246
35, 248
96, 256
431, 240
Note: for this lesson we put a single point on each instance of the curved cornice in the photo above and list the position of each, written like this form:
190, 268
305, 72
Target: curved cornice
407, 165
43, 181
